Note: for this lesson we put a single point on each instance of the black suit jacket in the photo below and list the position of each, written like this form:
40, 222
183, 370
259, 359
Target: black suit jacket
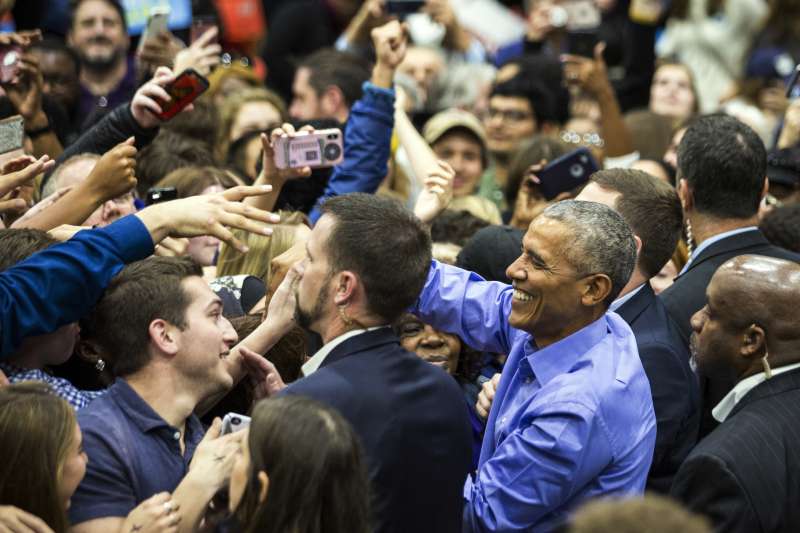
676, 395
413, 425
688, 295
746, 474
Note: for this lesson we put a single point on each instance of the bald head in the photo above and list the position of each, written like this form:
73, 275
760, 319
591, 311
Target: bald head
761, 290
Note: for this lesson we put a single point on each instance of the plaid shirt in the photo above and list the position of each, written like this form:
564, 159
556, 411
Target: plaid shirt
61, 387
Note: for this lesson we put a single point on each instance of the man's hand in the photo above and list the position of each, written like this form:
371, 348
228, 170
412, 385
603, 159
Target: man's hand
271, 172
159, 51
157, 514
214, 457
146, 103
202, 55
265, 378
486, 397
25, 92
22, 38
588, 74
372, 13
113, 175
391, 42
436, 194
209, 214
15, 520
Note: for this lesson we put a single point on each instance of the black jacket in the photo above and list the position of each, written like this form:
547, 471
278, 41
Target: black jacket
413, 425
688, 295
676, 394
745, 476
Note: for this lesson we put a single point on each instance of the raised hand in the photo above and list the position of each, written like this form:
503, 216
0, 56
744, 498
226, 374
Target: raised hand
268, 156
587, 73
113, 175
214, 457
264, 376
25, 92
202, 55
146, 103
436, 194
18, 173
391, 42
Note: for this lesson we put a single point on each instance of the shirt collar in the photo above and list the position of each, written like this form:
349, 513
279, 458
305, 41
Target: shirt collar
724, 408
616, 304
313, 364
711, 240
560, 357
135, 408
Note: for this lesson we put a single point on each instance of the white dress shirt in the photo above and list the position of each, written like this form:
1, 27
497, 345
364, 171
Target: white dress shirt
313, 364
724, 407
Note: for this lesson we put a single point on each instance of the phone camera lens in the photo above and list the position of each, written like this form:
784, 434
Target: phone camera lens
576, 171
236, 420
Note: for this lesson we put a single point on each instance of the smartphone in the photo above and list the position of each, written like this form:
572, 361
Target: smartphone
183, 90
9, 62
322, 148
156, 195
12, 134
234, 422
582, 15
200, 25
157, 20
404, 7
793, 88
567, 172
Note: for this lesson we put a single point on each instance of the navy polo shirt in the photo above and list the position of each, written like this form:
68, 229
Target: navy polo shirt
133, 454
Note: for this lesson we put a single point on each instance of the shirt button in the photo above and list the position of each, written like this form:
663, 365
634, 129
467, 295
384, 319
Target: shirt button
527, 381
176, 435
102, 101
503, 420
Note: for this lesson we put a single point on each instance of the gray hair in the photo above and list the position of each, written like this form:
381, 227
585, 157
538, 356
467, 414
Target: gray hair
602, 242
54, 182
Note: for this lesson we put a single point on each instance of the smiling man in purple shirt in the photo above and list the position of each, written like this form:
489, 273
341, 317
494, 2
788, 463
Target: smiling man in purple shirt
572, 418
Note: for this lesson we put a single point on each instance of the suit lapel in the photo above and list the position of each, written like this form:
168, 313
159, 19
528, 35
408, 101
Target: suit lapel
630, 310
775, 385
360, 343
734, 243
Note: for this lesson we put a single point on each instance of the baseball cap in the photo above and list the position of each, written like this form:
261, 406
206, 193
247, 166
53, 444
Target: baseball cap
444, 121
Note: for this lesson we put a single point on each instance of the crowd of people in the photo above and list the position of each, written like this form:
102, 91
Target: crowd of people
548, 287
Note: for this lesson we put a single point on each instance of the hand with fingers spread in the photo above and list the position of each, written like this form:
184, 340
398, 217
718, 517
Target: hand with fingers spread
209, 214
157, 514
486, 396
113, 175
391, 42
283, 303
147, 101
590, 74
214, 457
20, 38
14, 520
170, 247
202, 55
436, 194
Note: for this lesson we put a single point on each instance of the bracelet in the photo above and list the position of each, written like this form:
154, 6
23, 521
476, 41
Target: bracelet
38, 132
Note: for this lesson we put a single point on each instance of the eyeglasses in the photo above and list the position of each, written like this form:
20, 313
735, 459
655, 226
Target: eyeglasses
586, 139
511, 115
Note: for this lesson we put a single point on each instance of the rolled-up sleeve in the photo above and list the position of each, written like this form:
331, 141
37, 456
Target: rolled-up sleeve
463, 303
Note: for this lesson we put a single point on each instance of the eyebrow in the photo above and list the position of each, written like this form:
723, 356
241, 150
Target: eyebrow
216, 302
533, 255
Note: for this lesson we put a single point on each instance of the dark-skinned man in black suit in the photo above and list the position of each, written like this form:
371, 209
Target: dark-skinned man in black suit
745, 476
722, 169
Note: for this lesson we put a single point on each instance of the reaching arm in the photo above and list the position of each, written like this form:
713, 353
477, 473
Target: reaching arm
462, 303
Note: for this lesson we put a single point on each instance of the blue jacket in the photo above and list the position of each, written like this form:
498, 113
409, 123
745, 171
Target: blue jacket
412, 424
63, 282
367, 147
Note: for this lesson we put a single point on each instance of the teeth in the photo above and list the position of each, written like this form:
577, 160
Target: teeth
521, 296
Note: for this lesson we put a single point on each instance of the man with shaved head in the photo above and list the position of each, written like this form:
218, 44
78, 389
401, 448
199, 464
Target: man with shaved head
745, 476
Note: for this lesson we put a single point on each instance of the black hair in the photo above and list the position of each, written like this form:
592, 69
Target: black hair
116, 4
541, 80
725, 163
54, 44
781, 227
330, 67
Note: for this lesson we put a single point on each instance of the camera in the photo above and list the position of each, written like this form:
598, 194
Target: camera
323, 148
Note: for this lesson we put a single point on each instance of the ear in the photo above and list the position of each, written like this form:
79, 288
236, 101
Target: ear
754, 342
638, 245
685, 194
765, 189
164, 336
332, 100
263, 486
596, 288
345, 284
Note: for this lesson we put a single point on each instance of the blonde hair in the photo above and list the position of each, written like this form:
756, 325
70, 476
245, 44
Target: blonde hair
263, 248
230, 109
